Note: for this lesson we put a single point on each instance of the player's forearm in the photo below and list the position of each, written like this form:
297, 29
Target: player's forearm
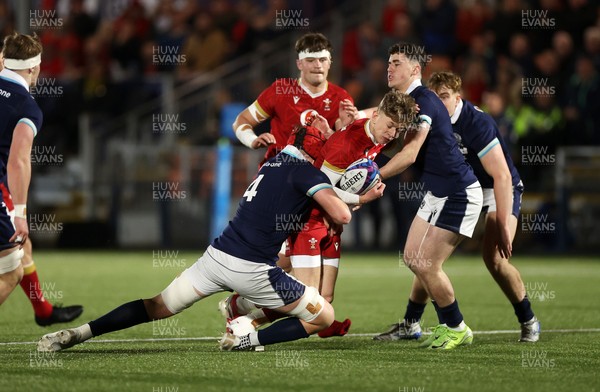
347, 197
19, 177
400, 162
503, 194
243, 127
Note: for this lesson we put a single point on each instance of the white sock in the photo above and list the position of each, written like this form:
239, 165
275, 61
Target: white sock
254, 338
84, 331
460, 327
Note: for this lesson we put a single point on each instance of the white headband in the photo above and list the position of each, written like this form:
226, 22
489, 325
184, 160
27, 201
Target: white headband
23, 64
317, 55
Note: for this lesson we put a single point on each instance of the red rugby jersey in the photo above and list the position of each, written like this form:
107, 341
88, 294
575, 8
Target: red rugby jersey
286, 99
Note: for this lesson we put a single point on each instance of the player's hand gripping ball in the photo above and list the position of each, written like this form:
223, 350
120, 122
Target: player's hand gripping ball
360, 177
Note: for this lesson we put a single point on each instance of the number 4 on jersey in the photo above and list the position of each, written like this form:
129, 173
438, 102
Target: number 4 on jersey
251, 191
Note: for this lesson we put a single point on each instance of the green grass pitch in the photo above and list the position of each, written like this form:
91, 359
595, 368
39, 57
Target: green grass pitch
181, 353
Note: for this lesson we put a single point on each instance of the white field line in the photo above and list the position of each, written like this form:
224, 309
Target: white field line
350, 335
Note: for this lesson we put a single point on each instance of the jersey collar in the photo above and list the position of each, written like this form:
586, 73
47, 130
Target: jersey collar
368, 131
293, 151
14, 77
311, 94
457, 112
415, 83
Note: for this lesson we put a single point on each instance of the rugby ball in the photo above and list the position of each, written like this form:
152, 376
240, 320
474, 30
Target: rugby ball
360, 177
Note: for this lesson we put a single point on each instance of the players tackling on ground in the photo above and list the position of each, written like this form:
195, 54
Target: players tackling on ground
482, 145
243, 258
452, 204
315, 254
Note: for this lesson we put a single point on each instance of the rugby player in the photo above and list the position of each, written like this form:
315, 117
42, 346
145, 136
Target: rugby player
484, 149
450, 209
21, 120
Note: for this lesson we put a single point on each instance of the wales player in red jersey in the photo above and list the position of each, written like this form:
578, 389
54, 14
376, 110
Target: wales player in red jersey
314, 254
284, 101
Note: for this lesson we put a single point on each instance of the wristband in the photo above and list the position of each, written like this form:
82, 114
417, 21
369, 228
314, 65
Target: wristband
360, 115
245, 134
21, 211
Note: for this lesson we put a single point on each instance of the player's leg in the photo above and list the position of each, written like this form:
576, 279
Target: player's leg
11, 271
178, 296
308, 315
328, 279
438, 228
427, 242
331, 252
270, 287
508, 278
45, 312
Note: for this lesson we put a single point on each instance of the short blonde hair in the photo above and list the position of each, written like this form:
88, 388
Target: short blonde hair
399, 107
452, 81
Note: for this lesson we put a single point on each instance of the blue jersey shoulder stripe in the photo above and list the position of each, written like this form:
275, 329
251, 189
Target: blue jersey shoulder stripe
425, 118
311, 192
30, 123
487, 148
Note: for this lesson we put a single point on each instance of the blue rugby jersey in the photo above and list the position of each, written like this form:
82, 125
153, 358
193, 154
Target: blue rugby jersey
476, 134
275, 205
16, 105
442, 167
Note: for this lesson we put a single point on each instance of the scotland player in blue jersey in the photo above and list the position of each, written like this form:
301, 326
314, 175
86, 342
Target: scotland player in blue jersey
20, 120
243, 257
451, 206
482, 145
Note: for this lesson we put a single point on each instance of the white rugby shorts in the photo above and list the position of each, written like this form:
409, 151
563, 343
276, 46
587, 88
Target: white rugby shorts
458, 212
265, 285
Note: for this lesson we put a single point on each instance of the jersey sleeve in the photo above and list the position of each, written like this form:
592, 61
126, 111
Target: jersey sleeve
481, 135
264, 106
31, 115
310, 180
427, 112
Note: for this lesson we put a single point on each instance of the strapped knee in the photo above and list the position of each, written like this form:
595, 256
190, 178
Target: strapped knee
11, 261
310, 305
179, 295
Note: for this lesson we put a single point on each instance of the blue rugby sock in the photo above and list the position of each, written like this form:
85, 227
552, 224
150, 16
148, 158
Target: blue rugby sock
285, 330
125, 316
414, 311
523, 310
437, 311
451, 314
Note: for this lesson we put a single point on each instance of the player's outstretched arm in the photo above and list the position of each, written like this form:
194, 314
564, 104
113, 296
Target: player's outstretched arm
413, 141
495, 165
244, 125
337, 210
19, 176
